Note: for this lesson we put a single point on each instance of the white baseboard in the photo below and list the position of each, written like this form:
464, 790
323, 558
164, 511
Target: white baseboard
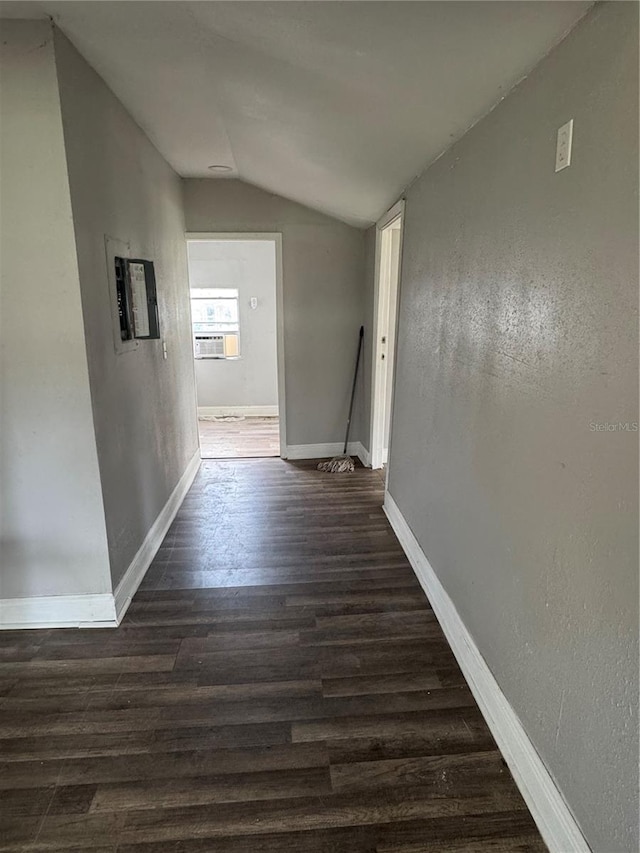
103, 610
322, 451
363, 455
131, 579
237, 411
58, 611
551, 813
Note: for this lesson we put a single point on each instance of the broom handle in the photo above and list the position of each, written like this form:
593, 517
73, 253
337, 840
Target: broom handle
353, 391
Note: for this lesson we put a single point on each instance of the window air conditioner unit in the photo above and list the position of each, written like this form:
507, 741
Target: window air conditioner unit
216, 346
208, 346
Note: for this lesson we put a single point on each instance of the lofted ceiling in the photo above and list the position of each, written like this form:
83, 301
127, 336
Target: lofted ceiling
337, 105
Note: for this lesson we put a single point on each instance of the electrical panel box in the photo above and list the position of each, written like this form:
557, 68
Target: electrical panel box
137, 299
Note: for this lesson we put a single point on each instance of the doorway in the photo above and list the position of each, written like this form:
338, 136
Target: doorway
387, 278
235, 285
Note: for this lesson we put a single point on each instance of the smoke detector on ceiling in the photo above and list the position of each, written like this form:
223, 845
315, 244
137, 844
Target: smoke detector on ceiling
219, 168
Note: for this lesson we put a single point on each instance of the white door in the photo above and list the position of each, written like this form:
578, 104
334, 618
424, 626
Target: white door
388, 256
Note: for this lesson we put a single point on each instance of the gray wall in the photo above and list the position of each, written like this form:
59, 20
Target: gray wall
323, 284
518, 331
52, 539
250, 268
144, 406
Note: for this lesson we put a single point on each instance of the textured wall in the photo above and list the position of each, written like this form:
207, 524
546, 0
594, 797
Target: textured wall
323, 285
144, 406
518, 332
250, 268
53, 539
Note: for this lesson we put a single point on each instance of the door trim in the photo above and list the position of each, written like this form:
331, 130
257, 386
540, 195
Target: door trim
275, 237
377, 403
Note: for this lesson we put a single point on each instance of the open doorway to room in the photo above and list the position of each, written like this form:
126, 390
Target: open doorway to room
236, 323
387, 278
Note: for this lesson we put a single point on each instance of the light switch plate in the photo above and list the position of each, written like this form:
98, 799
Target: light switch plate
563, 146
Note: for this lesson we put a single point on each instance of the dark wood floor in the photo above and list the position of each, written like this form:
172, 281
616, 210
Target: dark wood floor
278, 684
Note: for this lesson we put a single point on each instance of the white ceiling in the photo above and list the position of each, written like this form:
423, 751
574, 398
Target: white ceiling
337, 105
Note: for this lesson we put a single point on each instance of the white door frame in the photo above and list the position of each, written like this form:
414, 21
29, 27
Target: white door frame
380, 321
275, 237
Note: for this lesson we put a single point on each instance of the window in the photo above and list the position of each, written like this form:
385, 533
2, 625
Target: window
215, 310
215, 318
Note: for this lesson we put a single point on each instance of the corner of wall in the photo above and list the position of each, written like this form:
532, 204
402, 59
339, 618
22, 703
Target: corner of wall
127, 192
54, 543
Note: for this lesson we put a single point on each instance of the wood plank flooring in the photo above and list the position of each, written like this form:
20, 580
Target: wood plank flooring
239, 439
279, 684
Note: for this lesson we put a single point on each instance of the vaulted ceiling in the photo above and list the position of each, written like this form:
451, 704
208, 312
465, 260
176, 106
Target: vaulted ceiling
337, 105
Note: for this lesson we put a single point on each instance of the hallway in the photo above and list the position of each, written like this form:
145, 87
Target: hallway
279, 658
